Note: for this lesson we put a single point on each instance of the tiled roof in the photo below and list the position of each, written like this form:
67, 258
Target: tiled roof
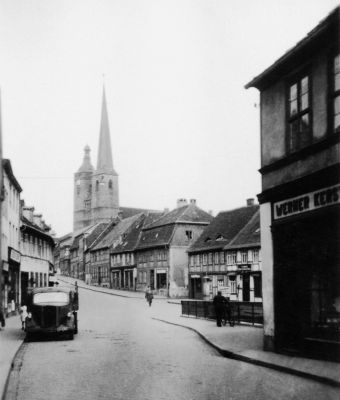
114, 233
41, 231
126, 212
223, 229
186, 214
332, 18
134, 233
156, 237
249, 235
96, 231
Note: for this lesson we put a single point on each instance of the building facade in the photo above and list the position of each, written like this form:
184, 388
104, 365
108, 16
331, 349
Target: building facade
36, 248
161, 253
10, 239
300, 198
226, 257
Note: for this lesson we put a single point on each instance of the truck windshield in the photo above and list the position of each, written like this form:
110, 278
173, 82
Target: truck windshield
51, 298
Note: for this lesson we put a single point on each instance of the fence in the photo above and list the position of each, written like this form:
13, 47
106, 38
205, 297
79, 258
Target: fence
242, 311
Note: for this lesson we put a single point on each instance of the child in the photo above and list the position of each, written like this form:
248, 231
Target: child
23, 315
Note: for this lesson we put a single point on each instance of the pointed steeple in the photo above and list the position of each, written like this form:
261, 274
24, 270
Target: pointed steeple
104, 160
86, 165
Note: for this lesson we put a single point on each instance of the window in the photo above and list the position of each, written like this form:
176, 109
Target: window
336, 93
188, 234
256, 255
216, 258
232, 281
244, 257
257, 286
110, 184
210, 258
198, 259
299, 120
87, 204
205, 259
97, 186
231, 257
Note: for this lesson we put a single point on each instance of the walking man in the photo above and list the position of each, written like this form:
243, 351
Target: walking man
219, 304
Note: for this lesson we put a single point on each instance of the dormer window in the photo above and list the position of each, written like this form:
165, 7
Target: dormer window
208, 239
299, 114
219, 237
188, 234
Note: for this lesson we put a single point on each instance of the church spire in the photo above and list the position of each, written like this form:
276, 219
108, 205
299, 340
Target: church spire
86, 165
104, 160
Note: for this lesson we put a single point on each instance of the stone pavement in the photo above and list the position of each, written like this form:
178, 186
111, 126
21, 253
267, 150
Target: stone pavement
241, 342
11, 338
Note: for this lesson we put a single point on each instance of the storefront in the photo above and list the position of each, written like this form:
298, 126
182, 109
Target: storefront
306, 250
13, 297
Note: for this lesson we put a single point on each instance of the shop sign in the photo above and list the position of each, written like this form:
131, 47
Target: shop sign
160, 271
244, 267
195, 276
307, 202
14, 255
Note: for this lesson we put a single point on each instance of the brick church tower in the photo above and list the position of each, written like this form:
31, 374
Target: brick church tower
96, 195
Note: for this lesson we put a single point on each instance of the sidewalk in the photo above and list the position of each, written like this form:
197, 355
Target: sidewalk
241, 342
11, 338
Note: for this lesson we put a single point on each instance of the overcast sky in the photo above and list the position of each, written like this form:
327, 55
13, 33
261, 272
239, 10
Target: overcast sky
182, 124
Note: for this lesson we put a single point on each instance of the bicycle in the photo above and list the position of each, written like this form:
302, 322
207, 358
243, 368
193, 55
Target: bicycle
228, 315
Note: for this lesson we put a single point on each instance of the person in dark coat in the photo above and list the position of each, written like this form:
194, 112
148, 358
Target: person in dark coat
219, 302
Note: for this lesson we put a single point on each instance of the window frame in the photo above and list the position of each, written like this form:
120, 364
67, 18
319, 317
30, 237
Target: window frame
333, 93
297, 79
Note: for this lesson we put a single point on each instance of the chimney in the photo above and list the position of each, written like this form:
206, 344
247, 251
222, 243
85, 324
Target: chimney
182, 202
27, 212
250, 202
37, 219
193, 201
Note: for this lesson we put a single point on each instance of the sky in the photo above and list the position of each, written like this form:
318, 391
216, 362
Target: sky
182, 124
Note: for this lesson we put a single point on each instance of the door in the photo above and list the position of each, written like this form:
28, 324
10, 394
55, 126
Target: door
246, 287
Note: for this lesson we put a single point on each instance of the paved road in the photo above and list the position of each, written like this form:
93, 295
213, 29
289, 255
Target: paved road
121, 353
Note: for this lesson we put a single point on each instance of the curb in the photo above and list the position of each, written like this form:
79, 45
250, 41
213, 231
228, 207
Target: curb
9, 393
266, 364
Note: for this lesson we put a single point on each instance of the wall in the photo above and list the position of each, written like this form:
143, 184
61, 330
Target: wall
178, 272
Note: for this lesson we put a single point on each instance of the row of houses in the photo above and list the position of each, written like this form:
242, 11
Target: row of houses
27, 245
180, 253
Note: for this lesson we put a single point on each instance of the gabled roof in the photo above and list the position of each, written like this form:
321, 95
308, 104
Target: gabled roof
187, 214
160, 232
133, 234
27, 224
248, 236
7, 166
223, 229
327, 28
114, 233
126, 212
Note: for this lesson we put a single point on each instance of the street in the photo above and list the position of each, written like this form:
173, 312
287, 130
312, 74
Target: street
120, 352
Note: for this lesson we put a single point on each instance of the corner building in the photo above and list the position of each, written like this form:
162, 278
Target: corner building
300, 199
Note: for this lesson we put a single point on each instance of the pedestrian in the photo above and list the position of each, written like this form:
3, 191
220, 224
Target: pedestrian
2, 319
149, 295
23, 315
219, 302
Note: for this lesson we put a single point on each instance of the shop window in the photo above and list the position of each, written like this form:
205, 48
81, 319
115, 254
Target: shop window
336, 93
299, 114
257, 286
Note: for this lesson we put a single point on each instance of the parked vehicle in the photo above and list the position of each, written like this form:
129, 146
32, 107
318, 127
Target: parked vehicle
52, 310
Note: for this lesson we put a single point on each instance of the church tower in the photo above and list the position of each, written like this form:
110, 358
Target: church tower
82, 213
96, 197
105, 195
